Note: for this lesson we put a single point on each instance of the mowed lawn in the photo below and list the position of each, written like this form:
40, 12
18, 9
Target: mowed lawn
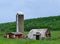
55, 39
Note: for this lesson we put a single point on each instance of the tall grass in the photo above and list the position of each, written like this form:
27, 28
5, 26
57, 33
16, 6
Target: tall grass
55, 39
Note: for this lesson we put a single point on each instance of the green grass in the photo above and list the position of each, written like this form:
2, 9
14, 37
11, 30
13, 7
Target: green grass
55, 39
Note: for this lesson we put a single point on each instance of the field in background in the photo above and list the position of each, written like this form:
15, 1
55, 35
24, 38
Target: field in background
55, 39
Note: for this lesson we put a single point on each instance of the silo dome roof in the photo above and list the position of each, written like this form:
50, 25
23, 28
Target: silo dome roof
20, 13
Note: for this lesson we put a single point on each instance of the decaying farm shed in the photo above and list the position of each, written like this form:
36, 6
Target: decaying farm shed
37, 34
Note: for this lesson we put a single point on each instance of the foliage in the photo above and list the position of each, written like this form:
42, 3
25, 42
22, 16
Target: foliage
46, 22
52, 22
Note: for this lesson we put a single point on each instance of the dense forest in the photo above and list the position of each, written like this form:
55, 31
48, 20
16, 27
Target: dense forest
52, 22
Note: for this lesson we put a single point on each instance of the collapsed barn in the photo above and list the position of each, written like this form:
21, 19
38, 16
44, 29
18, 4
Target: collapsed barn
39, 33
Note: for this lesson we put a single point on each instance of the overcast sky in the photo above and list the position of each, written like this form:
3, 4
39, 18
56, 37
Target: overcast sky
30, 8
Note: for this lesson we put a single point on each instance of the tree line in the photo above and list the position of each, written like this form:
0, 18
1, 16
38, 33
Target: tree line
52, 22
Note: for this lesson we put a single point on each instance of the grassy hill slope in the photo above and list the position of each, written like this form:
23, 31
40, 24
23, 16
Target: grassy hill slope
52, 22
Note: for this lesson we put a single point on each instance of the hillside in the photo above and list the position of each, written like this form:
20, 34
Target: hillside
52, 22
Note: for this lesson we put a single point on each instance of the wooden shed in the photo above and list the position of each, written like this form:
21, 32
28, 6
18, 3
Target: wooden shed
37, 34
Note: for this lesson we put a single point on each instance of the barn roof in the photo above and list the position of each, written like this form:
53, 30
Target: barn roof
40, 29
16, 32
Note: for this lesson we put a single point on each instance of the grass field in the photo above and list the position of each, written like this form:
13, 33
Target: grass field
55, 39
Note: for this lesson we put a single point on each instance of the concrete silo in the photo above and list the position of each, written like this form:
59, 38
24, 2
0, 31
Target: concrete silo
20, 22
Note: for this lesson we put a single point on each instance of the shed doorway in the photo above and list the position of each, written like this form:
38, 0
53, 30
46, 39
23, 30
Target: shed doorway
37, 37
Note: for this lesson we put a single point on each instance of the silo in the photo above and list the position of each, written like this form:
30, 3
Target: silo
20, 22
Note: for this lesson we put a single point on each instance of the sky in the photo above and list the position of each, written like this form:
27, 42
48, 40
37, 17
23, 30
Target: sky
30, 8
